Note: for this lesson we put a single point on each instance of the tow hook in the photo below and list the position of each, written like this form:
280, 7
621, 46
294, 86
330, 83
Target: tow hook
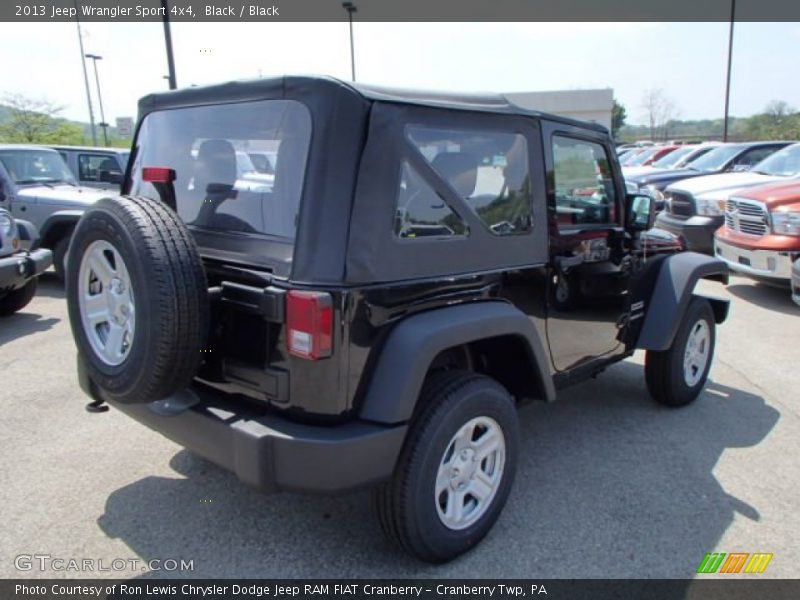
98, 406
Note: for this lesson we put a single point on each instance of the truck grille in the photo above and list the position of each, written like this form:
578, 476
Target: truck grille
680, 204
746, 216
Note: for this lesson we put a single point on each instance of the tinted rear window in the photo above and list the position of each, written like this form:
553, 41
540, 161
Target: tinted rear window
218, 187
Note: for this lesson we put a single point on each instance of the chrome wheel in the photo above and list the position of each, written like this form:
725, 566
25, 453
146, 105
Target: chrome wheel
106, 301
697, 352
470, 473
562, 290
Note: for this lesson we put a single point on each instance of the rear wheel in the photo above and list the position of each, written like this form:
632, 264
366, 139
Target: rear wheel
18, 299
456, 469
676, 376
137, 299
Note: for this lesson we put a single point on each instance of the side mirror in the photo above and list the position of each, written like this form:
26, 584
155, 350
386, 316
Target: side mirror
640, 212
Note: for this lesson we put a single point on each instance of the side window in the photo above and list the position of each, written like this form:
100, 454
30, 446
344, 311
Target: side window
487, 169
421, 212
751, 157
584, 186
90, 166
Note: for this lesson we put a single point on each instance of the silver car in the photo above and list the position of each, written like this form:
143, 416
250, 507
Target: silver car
36, 185
102, 168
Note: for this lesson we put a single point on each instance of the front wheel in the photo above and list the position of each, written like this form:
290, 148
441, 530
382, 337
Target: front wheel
456, 469
676, 375
18, 299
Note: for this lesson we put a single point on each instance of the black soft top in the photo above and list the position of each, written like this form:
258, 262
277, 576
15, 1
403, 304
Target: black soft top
298, 87
344, 226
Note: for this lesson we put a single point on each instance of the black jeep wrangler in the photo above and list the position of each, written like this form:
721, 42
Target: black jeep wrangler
372, 310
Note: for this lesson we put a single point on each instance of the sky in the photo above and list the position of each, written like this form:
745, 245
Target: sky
686, 60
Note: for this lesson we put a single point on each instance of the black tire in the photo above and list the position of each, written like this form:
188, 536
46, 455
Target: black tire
18, 299
60, 256
664, 370
565, 292
406, 505
170, 293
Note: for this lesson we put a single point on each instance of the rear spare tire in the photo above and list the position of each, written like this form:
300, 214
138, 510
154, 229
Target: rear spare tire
137, 299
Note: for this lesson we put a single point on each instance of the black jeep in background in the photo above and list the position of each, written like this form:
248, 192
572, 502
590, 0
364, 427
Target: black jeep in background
418, 266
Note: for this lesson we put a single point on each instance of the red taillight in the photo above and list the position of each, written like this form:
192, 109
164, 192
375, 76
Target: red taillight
309, 324
158, 174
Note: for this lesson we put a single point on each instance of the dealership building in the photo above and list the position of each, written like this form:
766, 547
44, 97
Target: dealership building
587, 105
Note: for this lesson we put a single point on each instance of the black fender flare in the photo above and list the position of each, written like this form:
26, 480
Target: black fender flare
671, 294
415, 342
55, 222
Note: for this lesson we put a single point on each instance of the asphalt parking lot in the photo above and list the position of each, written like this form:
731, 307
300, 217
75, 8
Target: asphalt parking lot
609, 483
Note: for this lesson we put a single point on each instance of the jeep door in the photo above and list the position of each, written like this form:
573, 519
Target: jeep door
588, 279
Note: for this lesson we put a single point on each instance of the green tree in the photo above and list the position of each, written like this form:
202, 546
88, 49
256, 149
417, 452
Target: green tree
32, 121
618, 116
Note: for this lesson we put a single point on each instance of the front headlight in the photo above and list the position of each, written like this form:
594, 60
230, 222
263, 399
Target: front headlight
655, 193
786, 223
6, 223
710, 207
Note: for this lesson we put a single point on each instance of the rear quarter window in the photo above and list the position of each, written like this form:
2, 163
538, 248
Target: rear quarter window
218, 184
487, 169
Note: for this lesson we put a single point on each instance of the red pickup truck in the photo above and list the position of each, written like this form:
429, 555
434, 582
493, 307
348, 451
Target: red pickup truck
761, 234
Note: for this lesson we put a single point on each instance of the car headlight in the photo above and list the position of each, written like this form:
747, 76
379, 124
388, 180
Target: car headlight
655, 193
786, 223
6, 223
710, 207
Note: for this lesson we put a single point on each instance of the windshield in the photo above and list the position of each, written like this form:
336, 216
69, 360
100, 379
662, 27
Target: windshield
784, 163
673, 158
634, 160
623, 156
217, 185
715, 159
33, 166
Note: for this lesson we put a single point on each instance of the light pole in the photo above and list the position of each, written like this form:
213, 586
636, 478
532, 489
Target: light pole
102, 122
173, 80
351, 8
728, 83
86, 78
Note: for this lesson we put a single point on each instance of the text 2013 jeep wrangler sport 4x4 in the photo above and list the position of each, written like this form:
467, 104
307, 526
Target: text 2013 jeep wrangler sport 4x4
419, 264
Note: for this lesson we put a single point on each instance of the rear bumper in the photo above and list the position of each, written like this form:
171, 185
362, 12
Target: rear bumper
760, 264
18, 269
267, 451
697, 231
